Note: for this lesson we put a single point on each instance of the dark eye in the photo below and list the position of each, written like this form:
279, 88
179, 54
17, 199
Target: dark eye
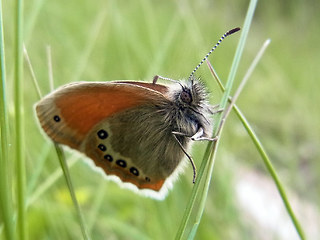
185, 96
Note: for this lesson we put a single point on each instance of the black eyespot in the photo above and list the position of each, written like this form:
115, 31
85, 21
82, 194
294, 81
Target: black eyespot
108, 157
134, 171
121, 163
185, 96
102, 147
56, 118
148, 179
102, 134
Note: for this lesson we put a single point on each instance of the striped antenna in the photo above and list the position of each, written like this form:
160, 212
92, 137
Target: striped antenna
215, 46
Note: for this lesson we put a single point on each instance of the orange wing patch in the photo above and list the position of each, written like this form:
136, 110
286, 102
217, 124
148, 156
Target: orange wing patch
82, 105
84, 109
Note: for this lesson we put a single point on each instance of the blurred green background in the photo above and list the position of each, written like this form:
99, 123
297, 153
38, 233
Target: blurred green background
106, 40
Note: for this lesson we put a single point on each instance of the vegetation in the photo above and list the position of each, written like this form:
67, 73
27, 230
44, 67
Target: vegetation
135, 40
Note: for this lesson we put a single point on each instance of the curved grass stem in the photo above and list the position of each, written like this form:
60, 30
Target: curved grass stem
261, 150
206, 168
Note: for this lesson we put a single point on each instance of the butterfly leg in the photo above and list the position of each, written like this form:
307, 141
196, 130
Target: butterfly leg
188, 156
198, 136
214, 109
214, 106
157, 77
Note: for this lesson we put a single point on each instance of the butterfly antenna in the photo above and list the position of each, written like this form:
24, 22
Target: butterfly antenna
215, 46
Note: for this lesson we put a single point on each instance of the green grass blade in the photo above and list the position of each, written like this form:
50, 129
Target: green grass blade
35, 82
64, 166
50, 68
5, 173
210, 153
246, 77
236, 60
264, 157
60, 154
19, 137
32, 18
223, 103
66, 172
271, 170
83, 61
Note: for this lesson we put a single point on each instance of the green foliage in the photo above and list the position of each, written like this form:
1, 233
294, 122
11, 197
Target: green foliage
112, 40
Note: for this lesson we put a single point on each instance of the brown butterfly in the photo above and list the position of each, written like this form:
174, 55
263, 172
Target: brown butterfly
136, 131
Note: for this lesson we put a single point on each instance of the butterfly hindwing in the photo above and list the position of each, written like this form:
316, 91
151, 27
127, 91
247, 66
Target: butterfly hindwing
99, 146
103, 120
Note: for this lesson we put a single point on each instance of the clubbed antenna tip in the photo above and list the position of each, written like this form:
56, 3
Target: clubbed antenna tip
215, 46
233, 31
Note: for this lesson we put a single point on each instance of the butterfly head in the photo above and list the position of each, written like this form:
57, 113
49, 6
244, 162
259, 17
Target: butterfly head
191, 109
192, 95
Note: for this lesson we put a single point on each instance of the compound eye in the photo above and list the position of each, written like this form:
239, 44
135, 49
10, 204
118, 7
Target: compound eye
186, 97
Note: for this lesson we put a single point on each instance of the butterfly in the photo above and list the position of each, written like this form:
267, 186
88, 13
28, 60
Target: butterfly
136, 132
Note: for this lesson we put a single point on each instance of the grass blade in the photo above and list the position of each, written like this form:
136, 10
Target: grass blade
18, 104
246, 77
64, 166
206, 167
35, 82
66, 173
96, 29
50, 68
5, 181
261, 149
59, 151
